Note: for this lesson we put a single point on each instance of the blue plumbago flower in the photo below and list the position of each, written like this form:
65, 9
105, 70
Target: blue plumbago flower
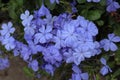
4, 63
7, 29
85, 43
9, 42
29, 32
97, 49
25, 52
52, 55
59, 42
78, 75
108, 44
17, 48
112, 5
74, 9
42, 16
81, 55
34, 65
52, 1
50, 69
26, 17
105, 69
87, 28
69, 35
69, 58
93, 0
35, 48
43, 35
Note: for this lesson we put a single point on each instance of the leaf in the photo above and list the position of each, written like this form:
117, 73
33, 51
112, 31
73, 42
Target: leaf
117, 55
20, 2
116, 73
28, 72
49, 5
103, 2
100, 23
117, 29
94, 15
81, 1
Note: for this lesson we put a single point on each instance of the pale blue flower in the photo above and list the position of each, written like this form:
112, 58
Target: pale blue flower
78, 75
4, 63
35, 48
52, 55
43, 35
88, 28
34, 65
7, 29
9, 43
69, 58
26, 18
25, 52
69, 35
50, 69
112, 5
93, 0
81, 55
105, 69
59, 42
52, 1
108, 44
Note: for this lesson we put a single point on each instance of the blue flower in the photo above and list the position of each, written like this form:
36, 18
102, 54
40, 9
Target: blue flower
4, 63
59, 42
78, 75
93, 0
50, 69
108, 44
105, 69
69, 35
87, 28
52, 1
9, 42
7, 29
80, 55
69, 58
43, 35
25, 52
112, 5
52, 55
29, 32
34, 65
26, 17
85, 43
35, 48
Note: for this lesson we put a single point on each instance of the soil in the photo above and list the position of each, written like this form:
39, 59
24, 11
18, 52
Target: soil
15, 71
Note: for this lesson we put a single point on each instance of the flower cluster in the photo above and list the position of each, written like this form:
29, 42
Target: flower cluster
58, 39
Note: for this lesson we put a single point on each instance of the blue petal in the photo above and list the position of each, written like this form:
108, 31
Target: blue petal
103, 61
113, 47
104, 70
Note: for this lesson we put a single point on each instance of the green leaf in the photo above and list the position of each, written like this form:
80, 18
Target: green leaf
20, 2
117, 29
117, 73
81, 1
28, 72
49, 5
117, 55
94, 15
103, 2
100, 23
